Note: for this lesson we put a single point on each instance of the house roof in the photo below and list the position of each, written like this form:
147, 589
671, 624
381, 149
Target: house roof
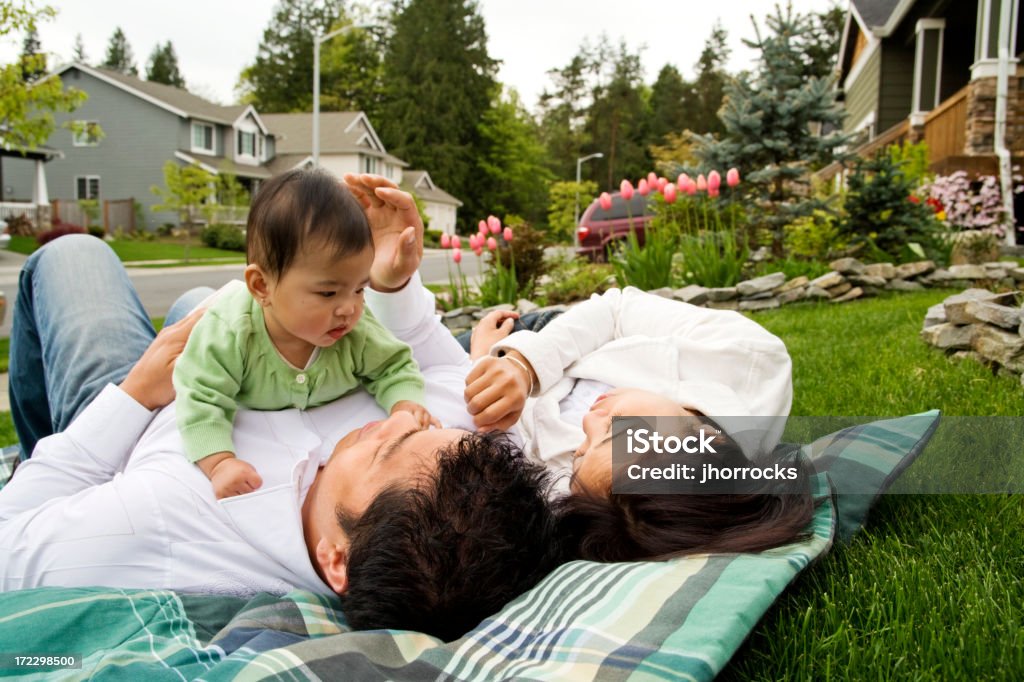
286, 162
341, 132
875, 13
418, 182
219, 164
176, 100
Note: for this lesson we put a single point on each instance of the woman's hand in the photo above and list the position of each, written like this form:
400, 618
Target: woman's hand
396, 226
149, 381
492, 327
496, 391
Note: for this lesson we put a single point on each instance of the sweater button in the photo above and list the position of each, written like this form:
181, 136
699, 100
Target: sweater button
300, 378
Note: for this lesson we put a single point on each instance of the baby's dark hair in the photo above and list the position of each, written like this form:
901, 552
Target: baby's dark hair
293, 210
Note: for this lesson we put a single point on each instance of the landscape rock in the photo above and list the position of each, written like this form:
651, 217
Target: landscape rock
855, 292
839, 289
915, 269
526, 306
886, 270
723, 305
828, 280
999, 315
758, 297
967, 355
718, 294
999, 346
968, 271
950, 336
869, 280
501, 306
693, 293
904, 285
935, 315
795, 283
761, 284
1017, 274
847, 266
792, 295
956, 303
817, 292
759, 304
664, 292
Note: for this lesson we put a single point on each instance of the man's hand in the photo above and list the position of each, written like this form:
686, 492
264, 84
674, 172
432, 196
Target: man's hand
396, 226
423, 417
149, 381
492, 327
496, 391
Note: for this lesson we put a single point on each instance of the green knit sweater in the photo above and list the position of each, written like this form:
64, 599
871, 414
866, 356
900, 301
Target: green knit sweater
229, 360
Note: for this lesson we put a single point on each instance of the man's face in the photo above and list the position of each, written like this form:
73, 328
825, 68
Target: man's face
380, 455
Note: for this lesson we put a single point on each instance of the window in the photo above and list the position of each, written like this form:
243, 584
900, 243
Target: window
369, 164
246, 143
259, 148
86, 134
202, 137
87, 187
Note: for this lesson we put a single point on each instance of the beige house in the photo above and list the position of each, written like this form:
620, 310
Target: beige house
349, 144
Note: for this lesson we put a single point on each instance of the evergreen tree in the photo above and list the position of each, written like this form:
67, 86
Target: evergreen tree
163, 66
823, 38
563, 114
281, 78
440, 84
119, 54
78, 51
707, 91
352, 73
514, 159
33, 61
668, 104
769, 116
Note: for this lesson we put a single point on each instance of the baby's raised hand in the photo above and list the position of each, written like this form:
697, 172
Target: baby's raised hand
416, 410
232, 476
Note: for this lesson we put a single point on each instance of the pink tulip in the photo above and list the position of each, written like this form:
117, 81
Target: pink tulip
682, 181
652, 179
492, 243
473, 240
507, 234
732, 177
457, 255
605, 200
643, 188
478, 250
712, 192
691, 186
482, 227
702, 183
626, 190
670, 193
446, 240
494, 224
661, 184
456, 242
714, 181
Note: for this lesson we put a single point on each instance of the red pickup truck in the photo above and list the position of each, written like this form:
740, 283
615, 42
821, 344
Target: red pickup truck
601, 230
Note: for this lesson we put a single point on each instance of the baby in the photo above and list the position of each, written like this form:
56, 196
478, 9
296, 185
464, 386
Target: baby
297, 336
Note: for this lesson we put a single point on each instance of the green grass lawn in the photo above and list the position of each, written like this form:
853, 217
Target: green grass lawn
932, 588
160, 249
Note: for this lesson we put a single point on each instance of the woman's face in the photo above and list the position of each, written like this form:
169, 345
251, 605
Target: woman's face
592, 461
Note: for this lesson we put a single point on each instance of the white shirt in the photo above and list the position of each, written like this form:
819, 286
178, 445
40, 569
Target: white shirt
112, 500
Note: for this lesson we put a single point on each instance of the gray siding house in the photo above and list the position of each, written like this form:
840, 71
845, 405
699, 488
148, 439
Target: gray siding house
144, 125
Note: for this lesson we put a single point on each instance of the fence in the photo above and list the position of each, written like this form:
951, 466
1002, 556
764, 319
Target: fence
119, 214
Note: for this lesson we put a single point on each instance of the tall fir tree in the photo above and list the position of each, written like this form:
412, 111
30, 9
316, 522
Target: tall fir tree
281, 78
705, 95
440, 84
769, 119
78, 51
33, 61
563, 115
668, 99
119, 54
352, 72
163, 66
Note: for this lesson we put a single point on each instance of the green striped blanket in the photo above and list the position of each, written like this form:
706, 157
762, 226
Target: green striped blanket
680, 619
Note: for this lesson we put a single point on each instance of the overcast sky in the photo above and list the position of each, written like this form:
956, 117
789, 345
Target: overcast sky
215, 40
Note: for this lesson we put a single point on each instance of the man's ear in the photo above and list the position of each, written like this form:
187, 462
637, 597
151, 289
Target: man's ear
333, 561
258, 283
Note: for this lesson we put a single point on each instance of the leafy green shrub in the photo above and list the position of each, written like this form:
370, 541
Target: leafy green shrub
649, 266
813, 237
880, 213
713, 259
527, 253
575, 280
432, 239
228, 237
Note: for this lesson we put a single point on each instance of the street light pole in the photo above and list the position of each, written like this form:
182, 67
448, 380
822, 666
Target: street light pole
319, 39
576, 214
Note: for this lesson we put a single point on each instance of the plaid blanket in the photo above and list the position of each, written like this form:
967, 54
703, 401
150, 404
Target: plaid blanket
680, 619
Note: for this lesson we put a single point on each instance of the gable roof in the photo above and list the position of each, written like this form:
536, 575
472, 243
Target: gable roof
176, 100
341, 132
880, 17
419, 182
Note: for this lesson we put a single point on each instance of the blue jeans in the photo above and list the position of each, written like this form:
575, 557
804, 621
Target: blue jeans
78, 325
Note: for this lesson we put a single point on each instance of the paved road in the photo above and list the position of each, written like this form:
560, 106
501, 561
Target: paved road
159, 287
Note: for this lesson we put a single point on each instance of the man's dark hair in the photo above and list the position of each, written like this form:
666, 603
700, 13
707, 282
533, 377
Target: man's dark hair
439, 558
300, 208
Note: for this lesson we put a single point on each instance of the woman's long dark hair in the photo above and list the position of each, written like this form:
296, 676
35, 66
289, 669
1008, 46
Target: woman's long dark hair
641, 526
